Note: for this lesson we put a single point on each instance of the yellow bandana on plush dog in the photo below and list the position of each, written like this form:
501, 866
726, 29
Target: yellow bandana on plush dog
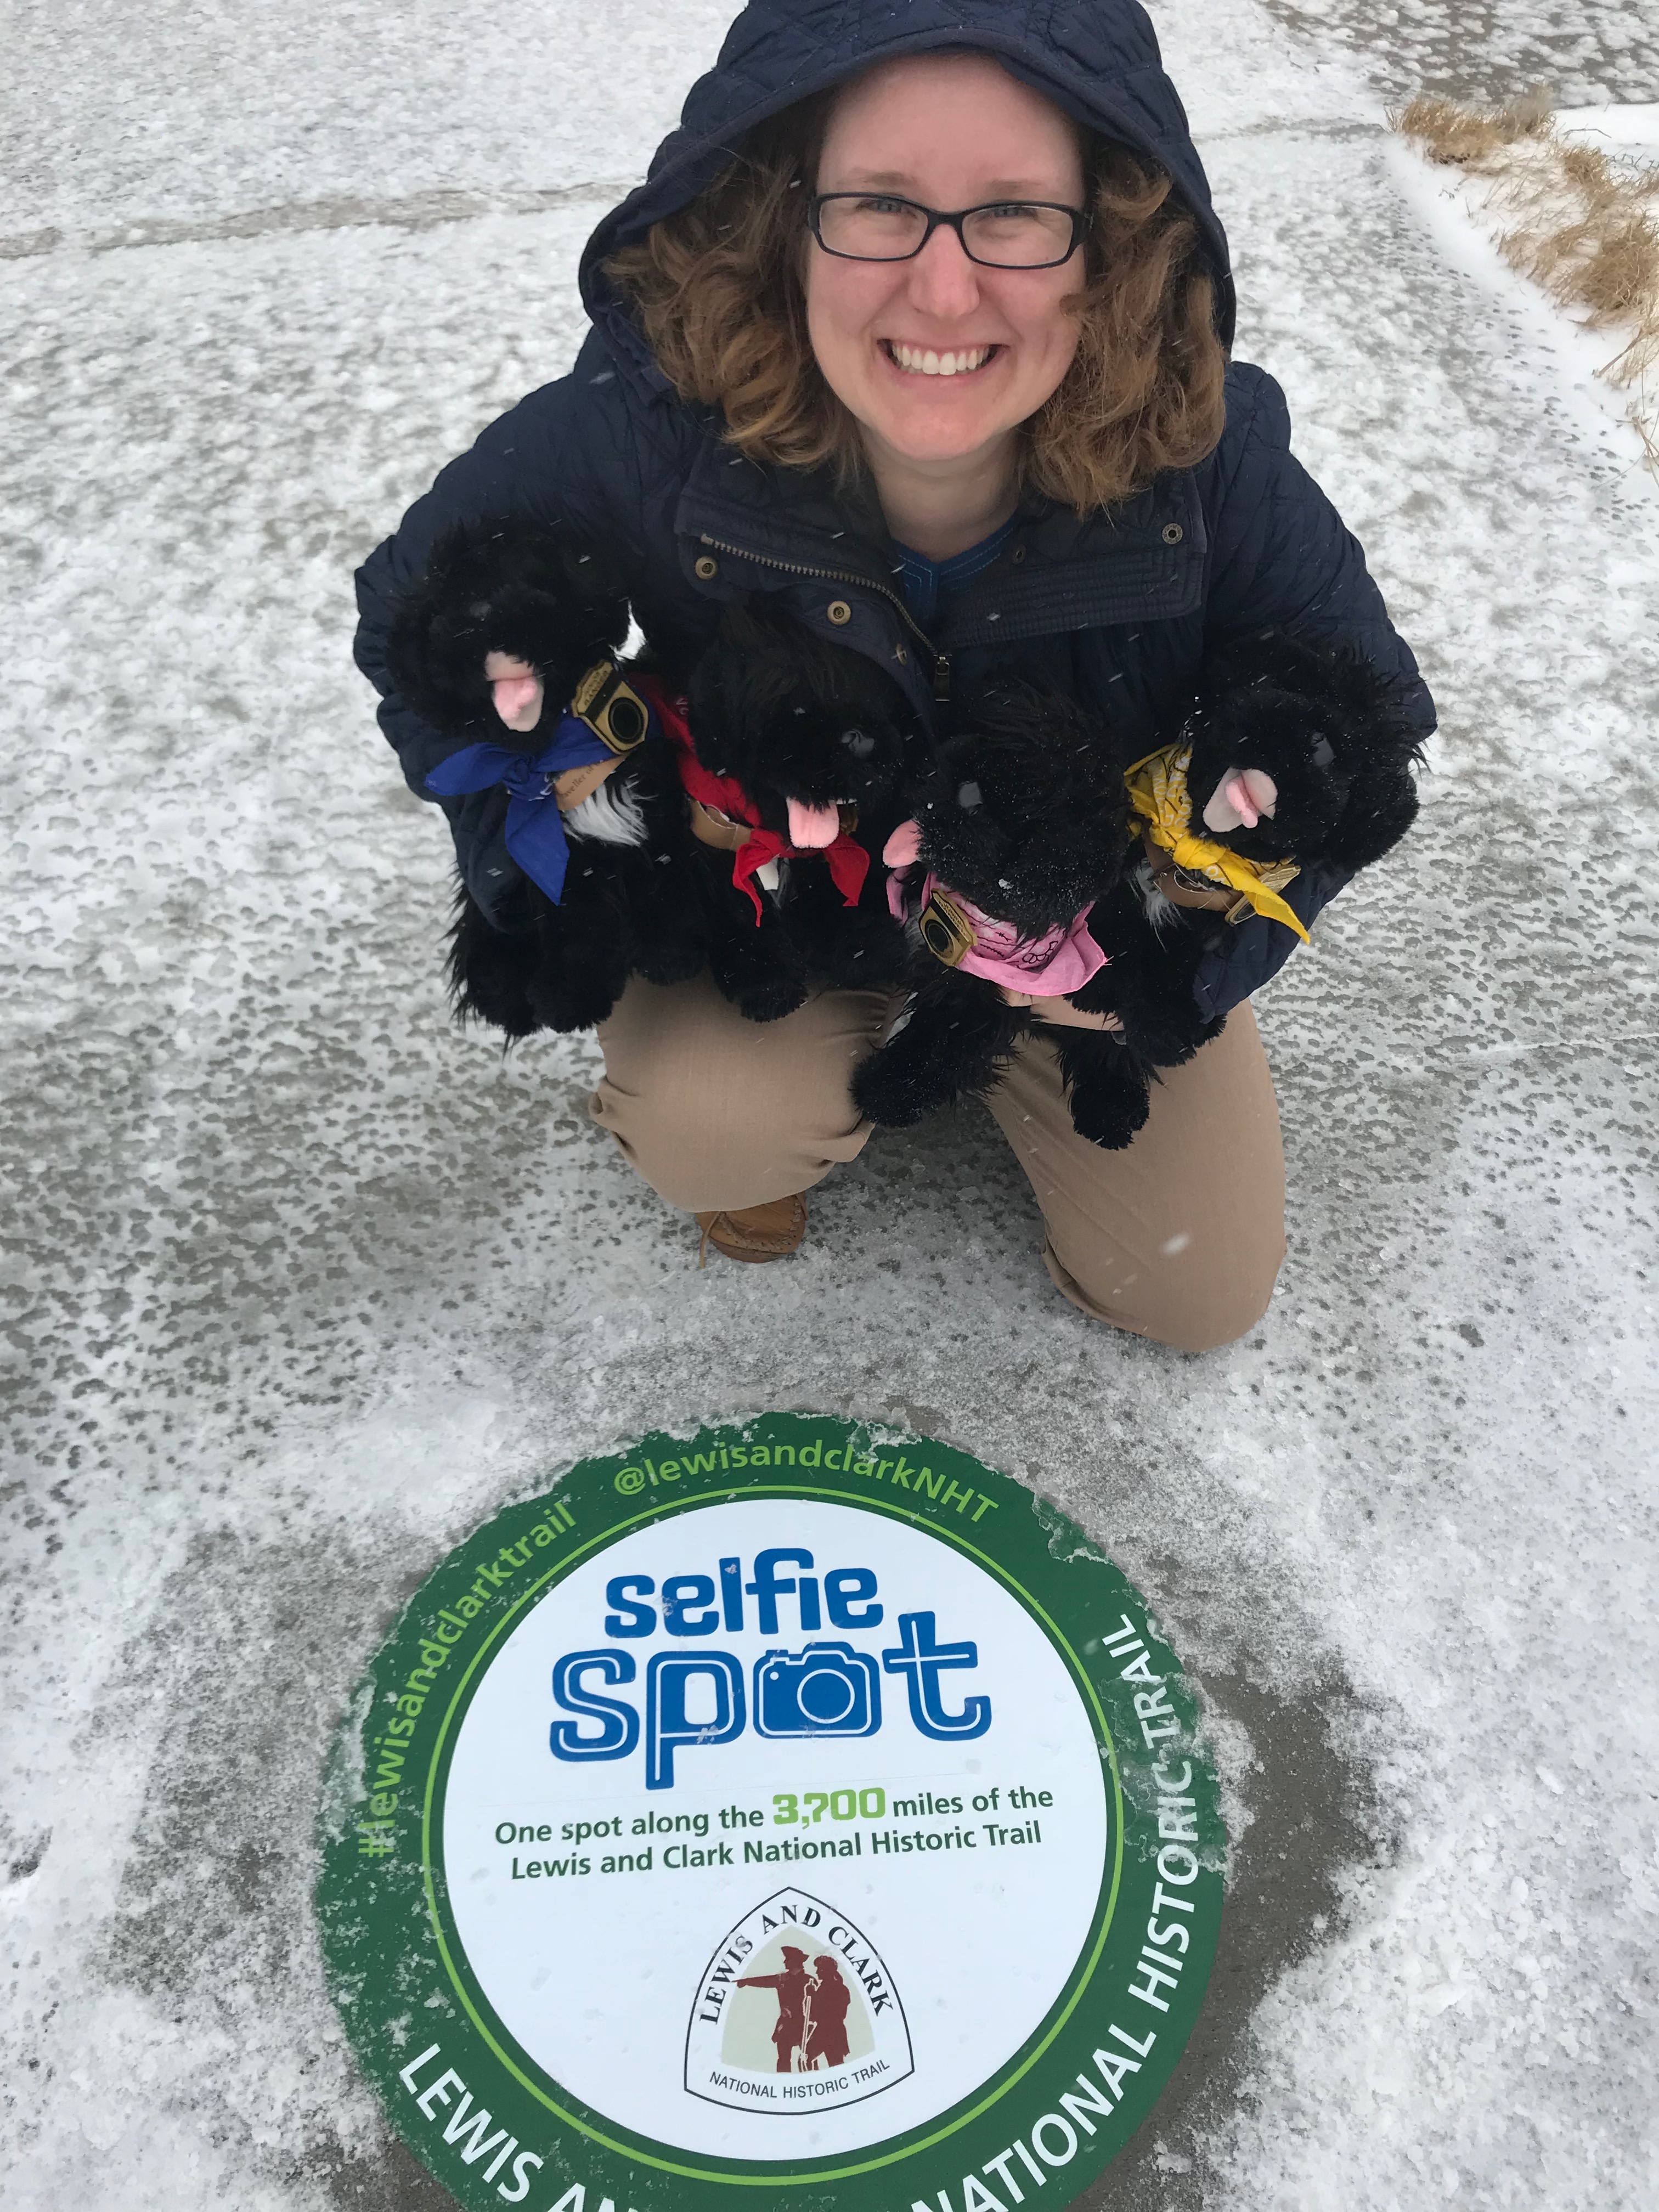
1158, 792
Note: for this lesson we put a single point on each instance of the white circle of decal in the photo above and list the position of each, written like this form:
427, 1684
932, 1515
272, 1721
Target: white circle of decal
740, 1835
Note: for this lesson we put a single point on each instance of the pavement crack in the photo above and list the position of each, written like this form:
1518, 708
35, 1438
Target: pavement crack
418, 211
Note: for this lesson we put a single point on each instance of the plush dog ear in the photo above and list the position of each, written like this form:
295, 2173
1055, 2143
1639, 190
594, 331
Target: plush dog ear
1382, 807
755, 670
711, 711
539, 592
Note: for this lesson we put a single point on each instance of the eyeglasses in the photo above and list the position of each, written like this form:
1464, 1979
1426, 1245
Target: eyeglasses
1002, 234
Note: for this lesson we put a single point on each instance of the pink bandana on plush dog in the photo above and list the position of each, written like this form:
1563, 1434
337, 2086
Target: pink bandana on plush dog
1049, 967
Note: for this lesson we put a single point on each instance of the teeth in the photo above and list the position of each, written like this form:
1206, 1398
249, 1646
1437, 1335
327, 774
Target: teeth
924, 361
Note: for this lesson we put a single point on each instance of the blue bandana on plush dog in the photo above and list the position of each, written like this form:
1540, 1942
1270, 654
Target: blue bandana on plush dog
535, 824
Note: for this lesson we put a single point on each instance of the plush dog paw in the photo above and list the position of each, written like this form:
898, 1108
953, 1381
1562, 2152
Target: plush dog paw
761, 990
498, 1001
567, 1011
907, 1079
768, 999
890, 1095
576, 994
863, 952
672, 960
1109, 1114
1107, 1085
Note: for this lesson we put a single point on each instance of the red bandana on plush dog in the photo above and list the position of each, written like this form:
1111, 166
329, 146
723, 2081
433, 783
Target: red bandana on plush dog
722, 795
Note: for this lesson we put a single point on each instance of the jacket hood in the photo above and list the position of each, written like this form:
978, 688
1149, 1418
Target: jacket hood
1097, 59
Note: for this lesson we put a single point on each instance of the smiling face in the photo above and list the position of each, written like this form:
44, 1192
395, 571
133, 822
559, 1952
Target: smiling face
938, 358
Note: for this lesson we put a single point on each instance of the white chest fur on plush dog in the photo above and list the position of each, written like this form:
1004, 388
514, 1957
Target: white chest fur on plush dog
1161, 911
612, 815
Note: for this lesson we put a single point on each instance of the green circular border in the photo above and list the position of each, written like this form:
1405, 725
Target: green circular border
381, 1895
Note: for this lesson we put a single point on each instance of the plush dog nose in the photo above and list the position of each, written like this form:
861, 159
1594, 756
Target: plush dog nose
813, 827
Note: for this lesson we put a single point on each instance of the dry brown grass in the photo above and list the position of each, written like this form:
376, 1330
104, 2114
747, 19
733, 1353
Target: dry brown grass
1468, 137
1581, 224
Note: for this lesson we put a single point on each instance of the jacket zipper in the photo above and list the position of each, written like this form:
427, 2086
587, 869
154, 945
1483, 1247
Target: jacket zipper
941, 660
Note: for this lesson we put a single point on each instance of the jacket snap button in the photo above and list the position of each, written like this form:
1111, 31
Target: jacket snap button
1173, 534
839, 612
1017, 554
901, 655
705, 566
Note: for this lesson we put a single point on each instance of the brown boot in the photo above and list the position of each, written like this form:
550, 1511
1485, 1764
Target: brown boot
754, 1233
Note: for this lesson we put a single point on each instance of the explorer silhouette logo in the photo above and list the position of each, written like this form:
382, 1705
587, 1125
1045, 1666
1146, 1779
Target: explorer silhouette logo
795, 2012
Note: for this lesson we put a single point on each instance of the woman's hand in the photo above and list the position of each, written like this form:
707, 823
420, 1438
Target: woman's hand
1061, 1012
517, 690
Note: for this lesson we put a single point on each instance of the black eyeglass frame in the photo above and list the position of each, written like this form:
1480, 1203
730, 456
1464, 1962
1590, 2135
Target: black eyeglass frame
938, 215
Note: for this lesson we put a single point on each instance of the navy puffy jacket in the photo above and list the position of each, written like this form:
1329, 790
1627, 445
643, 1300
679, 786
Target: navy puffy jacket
1118, 606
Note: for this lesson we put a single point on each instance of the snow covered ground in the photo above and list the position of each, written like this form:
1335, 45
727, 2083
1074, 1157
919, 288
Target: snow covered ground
305, 1284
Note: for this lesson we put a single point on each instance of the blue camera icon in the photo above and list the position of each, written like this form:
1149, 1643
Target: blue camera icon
827, 1689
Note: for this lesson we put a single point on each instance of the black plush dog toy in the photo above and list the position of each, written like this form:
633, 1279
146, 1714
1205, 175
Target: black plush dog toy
794, 763
1298, 754
656, 833
595, 820
1018, 829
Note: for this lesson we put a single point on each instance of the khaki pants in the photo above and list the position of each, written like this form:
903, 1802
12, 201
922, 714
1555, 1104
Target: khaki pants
1179, 1238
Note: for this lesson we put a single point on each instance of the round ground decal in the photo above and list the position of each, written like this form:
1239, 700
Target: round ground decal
800, 1809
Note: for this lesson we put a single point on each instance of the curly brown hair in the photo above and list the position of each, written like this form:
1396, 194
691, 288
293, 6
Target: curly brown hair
717, 289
